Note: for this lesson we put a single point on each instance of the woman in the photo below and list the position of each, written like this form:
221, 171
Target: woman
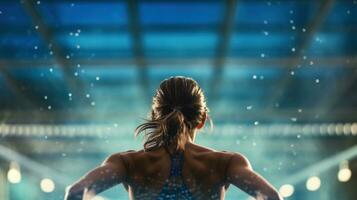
171, 165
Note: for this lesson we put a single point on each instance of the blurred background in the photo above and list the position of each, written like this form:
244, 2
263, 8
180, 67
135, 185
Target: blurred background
77, 77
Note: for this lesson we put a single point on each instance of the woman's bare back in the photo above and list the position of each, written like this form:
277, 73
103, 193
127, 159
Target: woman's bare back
204, 172
179, 110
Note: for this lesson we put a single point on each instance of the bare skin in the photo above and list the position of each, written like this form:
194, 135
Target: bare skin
206, 172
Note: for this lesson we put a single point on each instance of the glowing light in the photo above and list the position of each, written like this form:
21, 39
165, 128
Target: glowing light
286, 190
354, 129
344, 175
313, 183
14, 173
339, 129
347, 129
47, 185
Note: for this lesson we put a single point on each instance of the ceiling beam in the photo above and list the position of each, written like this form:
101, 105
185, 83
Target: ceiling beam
74, 84
137, 44
223, 46
18, 89
323, 62
342, 87
321, 166
300, 49
107, 29
34, 166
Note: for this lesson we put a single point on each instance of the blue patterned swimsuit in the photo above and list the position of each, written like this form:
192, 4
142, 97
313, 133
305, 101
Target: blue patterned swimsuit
175, 187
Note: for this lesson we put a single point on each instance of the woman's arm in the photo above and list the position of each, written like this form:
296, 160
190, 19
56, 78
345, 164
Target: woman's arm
241, 174
111, 172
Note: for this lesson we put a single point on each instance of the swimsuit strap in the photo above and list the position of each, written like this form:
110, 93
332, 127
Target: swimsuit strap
175, 188
176, 163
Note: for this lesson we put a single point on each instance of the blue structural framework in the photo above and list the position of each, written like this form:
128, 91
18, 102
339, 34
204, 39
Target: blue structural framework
278, 53
259, 62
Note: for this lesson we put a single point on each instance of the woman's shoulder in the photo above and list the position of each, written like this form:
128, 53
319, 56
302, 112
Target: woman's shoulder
121, 155
218, 154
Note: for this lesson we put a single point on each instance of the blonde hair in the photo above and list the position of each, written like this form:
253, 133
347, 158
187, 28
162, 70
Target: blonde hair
178, 106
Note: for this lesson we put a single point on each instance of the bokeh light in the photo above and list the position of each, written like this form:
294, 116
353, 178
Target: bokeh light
286, 190
313, 183
47, 185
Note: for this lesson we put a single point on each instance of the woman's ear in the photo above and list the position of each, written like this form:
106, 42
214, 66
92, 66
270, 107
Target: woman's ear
202, 123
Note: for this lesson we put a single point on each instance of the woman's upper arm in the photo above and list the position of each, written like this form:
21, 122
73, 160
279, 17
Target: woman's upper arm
241, 174
111, 172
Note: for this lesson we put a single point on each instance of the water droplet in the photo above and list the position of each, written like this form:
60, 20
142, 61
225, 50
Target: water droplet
78, 46
97, 78
35, 47
294, 119
293, 49
292, 73
266, 33
69, 94
254, 76
265, 22
256, 123
49, 107
36, 27
249, 107
299, 110
51, 69
303, 30
38, 2
262, 55
75, 73
68, 57
293, 27
291, 21
317, 80
45, 97
92, 103
311, 62
88, 95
